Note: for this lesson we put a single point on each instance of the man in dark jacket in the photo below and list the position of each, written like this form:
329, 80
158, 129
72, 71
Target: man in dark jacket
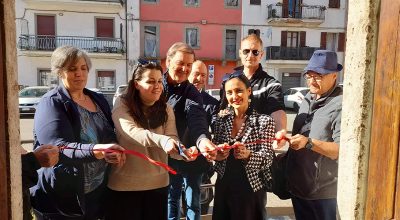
267, 91
191, 123
312, 166
198, 77
43, 156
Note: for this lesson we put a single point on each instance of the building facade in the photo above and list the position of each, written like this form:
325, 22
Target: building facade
99, 27
292, 29
211, 28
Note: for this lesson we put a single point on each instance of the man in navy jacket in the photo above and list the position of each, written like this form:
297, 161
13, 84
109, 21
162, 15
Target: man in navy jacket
192, 126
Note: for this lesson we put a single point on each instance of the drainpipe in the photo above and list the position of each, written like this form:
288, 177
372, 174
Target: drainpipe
126, 42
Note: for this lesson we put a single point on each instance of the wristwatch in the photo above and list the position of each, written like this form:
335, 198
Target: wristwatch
309, 144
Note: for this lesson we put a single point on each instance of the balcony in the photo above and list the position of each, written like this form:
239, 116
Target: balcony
280, 14
289, 53
90, 44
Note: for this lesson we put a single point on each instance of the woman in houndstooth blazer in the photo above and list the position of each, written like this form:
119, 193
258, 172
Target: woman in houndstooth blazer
240, 190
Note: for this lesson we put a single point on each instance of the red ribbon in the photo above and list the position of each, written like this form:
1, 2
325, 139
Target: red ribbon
228, 147
131, 152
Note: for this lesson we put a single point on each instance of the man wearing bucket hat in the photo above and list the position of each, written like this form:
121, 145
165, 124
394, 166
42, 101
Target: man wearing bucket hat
312, 163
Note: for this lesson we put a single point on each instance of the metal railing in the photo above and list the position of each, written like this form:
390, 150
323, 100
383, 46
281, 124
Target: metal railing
90, 44
280, 10
116, 1
289, 53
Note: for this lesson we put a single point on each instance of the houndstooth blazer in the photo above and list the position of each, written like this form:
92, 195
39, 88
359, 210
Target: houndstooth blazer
258, 127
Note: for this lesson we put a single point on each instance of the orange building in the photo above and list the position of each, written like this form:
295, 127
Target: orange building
211, 28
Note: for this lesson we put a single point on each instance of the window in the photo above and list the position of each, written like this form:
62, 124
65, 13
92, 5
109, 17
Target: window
254, 31
150, 41
332, 41
230, 44
192, 37
255, 2
106, 80
232, 3
46, 78
334, 3
191, 2
46, 31
150, 1
105, 27
293, 39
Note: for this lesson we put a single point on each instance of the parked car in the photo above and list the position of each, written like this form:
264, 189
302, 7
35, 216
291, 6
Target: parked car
29, 97
294, 96
119, 91
214, 93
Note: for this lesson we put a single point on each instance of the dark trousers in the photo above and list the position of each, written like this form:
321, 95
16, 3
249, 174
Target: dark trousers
94, 208
320, 209
233, 204
137, 205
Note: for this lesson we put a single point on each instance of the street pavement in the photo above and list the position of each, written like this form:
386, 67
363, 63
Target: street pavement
277, 209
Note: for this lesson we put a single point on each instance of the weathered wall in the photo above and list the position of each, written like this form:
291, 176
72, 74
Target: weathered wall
360, 58
13, 114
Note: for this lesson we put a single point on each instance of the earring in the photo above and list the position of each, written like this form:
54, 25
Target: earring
249, 101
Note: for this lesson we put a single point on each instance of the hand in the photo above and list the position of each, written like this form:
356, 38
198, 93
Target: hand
47, 155
241, 152
223, 112
298, 141
112, 153
207, 148
171, 147
222, 154
191, 153
280, 140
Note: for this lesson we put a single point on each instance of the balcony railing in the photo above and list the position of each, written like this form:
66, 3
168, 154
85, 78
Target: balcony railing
280, 10
90, 44
289, 53
116, 1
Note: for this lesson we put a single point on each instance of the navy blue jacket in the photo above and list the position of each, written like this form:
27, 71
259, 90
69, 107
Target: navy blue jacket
57, 122
191, 122
211, 106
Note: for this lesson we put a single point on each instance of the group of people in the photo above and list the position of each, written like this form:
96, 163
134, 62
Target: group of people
168, 117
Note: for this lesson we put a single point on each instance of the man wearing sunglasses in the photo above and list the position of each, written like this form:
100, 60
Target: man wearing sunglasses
312, 166
192, 126
267, 91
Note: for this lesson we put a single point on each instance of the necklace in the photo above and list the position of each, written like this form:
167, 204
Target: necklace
82, 99
241, 129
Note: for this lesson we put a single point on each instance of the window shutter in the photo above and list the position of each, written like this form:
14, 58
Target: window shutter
323, 40
255, 2
334, 3
283, 38
285, 9
45, 25
104, 27
302, 38
342, 38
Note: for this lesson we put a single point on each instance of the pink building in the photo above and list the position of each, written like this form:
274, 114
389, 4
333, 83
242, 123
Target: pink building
212, 28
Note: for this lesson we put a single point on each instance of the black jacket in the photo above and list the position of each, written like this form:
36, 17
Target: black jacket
191, 122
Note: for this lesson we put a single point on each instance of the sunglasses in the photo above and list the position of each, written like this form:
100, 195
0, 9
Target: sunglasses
254, 52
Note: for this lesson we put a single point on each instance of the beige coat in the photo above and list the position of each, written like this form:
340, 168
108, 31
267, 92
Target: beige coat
138, 174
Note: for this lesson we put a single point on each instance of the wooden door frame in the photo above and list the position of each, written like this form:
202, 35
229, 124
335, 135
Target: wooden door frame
5, 208
383, 194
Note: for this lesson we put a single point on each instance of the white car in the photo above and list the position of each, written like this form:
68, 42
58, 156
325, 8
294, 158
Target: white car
119, 91
214, 93
294, 96
29, 97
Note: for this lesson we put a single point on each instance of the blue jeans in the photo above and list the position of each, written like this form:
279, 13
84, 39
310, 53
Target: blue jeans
192, 192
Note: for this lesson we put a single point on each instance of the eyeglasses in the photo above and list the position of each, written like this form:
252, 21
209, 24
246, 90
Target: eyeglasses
316, 77
254, 52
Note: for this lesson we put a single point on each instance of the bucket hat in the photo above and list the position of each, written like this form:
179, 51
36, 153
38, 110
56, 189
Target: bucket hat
323, 62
